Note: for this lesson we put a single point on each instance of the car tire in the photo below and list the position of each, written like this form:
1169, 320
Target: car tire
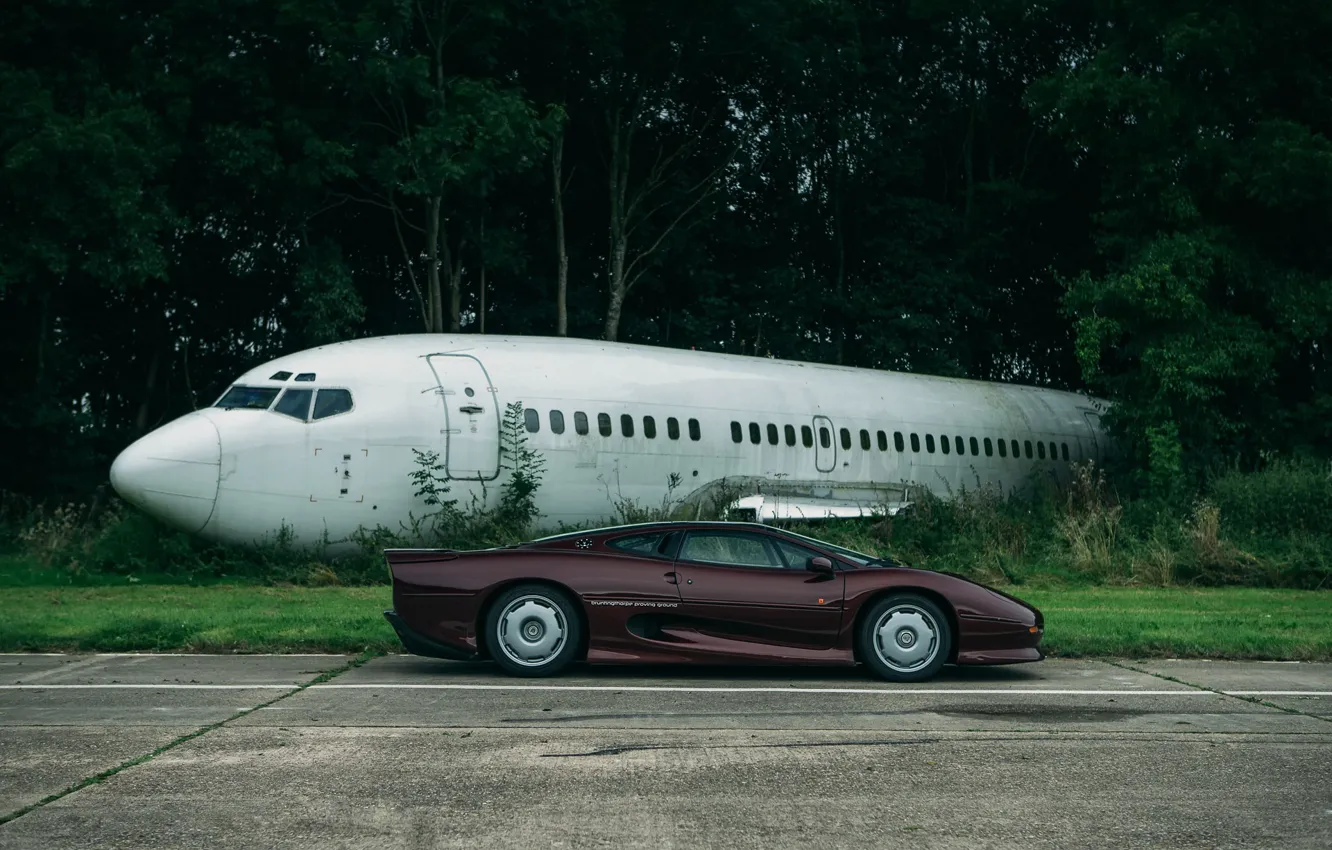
905, 637
533, 630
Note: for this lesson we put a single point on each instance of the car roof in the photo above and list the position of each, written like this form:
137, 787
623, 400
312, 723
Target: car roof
655, 526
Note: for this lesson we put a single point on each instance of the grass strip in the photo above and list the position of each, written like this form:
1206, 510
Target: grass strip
149, 756
1224, 623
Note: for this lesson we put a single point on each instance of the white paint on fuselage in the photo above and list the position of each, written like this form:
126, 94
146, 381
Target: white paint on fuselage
323, 480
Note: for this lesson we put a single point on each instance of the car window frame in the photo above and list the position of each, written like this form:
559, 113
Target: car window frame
765, 539
669, 540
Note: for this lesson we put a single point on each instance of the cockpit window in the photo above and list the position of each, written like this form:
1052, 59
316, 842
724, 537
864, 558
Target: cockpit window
306, 376
331, 403
280, 376
247, 398
295, 403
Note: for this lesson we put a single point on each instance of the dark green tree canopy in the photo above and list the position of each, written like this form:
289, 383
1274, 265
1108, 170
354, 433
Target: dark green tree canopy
1127, 197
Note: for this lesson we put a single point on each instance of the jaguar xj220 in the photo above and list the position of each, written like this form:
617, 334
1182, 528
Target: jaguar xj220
700, 592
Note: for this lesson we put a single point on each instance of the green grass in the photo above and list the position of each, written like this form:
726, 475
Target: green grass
1284, 625
1099, 621
220, 618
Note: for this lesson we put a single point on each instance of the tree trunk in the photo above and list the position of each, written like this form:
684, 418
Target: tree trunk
141, 420
436, 296
613, 310
455, 296
562, 268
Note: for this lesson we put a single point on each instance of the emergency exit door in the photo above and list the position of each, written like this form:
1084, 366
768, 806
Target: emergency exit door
471, 417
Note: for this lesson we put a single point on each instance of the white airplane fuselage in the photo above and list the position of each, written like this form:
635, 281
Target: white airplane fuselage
614, 422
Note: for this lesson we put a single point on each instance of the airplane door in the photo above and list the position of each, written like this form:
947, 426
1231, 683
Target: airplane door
1094, 424
471, 416
825, 445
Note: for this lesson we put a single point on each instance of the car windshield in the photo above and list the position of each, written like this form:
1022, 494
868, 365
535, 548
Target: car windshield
248, 398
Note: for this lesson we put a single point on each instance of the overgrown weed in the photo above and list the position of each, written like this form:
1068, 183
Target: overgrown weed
1075, 535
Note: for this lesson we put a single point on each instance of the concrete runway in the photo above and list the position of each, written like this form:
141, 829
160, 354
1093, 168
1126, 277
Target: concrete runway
308, 751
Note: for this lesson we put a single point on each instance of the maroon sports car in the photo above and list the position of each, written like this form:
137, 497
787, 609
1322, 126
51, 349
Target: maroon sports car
699, 592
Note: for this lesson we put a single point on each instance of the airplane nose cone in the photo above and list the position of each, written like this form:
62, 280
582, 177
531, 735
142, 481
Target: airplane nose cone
173, 472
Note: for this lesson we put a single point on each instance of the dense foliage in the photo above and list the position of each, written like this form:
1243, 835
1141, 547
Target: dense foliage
1126, 196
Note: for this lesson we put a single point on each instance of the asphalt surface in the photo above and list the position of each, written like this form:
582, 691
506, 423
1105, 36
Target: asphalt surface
310, 751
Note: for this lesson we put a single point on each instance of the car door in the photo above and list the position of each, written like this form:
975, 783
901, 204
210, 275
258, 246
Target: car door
749, 588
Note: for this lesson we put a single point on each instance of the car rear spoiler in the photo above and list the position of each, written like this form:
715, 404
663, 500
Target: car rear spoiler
395, 558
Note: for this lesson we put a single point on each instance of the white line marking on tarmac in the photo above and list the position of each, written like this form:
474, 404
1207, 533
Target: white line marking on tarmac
1278, 693
798, 690
404, 686
163, 687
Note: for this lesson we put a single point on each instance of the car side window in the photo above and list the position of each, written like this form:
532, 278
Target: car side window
796, 557
639, 544
730, 549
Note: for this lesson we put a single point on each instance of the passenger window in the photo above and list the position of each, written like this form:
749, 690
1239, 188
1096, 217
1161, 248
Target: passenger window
1040, 450
897, 442
295, 403
915, 443
1003, 448
649, 427
556, 422
957, 444
773, 439
824, 439
738, 550
694, 433
943, 443
989, 447
1017, 453
603, 424
532, 420
929, 443
975, 447
580, 422
883, 441
331, 403
864, 439
737, 433
639, 544
755, 436
1027, 443
846, 439
790, 435
796, 557
248, 398
1054, 454
627, 424
806, 436
1064, 446
673, 427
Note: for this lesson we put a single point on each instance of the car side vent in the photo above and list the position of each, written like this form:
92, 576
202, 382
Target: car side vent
584, 543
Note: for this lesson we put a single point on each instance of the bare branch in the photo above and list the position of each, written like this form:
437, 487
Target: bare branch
630, 278
407, 258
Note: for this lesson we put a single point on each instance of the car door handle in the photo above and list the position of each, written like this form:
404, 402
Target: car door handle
673, 578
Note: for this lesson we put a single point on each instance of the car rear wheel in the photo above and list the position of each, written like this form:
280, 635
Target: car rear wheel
533, 630
905, 638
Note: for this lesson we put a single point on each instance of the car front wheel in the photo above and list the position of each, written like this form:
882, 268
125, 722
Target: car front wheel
905, 638
533, 630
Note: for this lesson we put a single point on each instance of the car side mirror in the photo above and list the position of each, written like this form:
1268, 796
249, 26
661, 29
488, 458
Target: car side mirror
819, 564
